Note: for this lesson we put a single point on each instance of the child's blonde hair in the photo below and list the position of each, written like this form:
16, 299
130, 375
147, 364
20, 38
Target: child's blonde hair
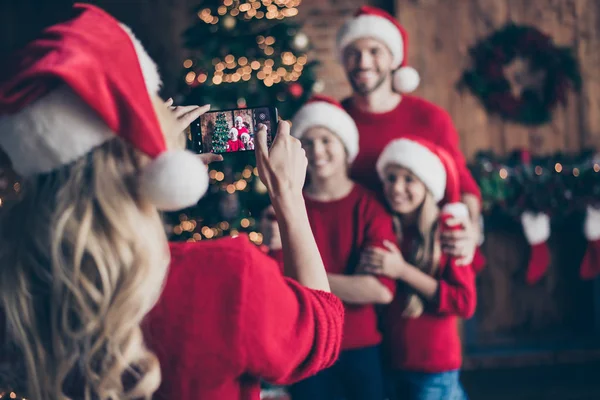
427, 249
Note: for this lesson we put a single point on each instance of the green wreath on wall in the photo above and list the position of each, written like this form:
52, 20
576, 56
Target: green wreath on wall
519, 74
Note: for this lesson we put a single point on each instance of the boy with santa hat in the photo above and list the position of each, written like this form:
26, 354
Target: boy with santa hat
373, 49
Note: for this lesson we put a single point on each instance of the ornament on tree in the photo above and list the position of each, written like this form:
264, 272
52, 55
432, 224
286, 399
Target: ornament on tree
536, 227
300, 41
319, 86
590, 266
229, 22
296, 90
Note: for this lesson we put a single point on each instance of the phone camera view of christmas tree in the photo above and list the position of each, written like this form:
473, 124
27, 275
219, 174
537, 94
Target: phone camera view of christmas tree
232, 131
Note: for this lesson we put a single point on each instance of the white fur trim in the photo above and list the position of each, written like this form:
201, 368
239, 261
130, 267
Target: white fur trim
375, 27
591, 225
420, 160
536, 227
147, 65
327, 115
406, 80
54, 130
456, 210
174, 180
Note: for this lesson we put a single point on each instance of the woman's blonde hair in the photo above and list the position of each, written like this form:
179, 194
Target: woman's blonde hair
427, 249
83, 258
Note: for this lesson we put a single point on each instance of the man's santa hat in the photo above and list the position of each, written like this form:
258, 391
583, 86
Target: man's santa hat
374, 23
327, 113
82, 83
239, 119
432, 165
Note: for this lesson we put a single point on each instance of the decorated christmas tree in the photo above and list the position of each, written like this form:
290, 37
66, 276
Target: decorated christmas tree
242, 54
220, 134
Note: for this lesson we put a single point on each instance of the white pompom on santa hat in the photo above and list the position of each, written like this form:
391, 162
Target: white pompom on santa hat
326, 112
372, 22
80, 84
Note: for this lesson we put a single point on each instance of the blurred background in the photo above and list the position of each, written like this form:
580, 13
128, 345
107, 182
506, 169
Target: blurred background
536, 153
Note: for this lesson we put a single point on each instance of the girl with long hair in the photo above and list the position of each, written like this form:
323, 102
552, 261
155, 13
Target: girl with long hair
421, 333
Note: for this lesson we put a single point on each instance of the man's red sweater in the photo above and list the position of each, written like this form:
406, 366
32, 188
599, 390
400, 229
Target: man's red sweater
412, 117
431, 343
342, 229
227, 317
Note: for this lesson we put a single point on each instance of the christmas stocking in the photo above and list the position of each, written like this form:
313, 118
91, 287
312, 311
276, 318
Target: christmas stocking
537, 231
590, 266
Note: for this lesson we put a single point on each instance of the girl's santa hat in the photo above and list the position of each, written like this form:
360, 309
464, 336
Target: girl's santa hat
432, 165
372, 22
328, 113
436, 168
80, 84
590, 266
232, 131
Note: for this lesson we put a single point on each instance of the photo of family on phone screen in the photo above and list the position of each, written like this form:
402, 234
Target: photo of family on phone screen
232, 131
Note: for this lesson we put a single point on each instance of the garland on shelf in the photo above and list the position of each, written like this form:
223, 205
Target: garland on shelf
557, 185
521, 75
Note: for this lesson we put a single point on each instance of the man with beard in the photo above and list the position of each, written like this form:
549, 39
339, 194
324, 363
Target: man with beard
373, 49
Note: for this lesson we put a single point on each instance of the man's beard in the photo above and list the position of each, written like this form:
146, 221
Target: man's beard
361, 88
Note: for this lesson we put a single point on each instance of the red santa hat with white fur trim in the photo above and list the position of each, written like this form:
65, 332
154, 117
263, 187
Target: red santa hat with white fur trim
590, 265
328, 113
80, 84
372, 22
432, 165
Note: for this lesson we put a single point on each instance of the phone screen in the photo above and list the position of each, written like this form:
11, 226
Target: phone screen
231, 131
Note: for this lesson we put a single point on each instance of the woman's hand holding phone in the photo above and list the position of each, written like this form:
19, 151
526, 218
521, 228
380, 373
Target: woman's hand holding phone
283, 169
184, 116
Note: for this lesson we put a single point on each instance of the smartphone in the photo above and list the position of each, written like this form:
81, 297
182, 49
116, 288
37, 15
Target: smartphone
231, 131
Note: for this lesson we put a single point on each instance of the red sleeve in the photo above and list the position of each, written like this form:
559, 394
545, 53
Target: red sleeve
457, 294
288, 332
379, 227
449, 140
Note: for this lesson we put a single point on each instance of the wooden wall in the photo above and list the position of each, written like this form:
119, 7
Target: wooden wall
555, 320
441, 33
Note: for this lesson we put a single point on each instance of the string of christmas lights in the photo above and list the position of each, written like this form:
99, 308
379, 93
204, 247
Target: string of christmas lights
258, 9
557, 185
232, 70
193, 229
